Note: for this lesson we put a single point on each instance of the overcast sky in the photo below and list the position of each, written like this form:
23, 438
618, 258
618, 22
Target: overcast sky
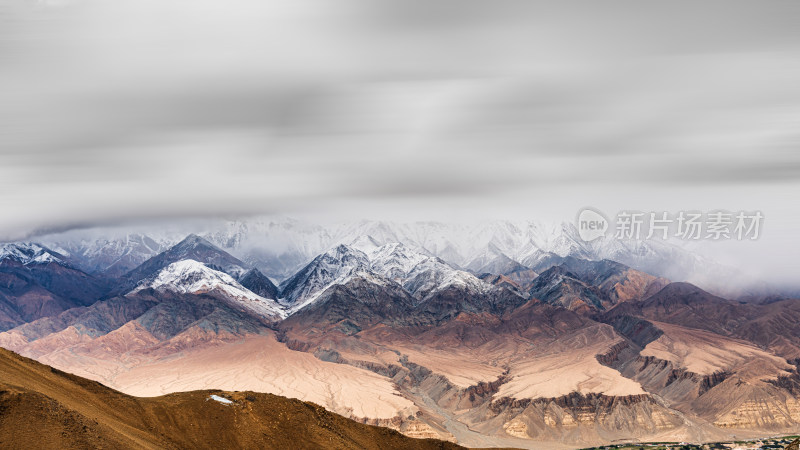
126, 109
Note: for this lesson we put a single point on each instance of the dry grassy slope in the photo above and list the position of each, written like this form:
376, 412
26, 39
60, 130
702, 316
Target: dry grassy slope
48, 408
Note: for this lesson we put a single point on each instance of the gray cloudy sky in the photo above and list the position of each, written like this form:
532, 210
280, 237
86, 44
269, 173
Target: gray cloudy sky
113, 110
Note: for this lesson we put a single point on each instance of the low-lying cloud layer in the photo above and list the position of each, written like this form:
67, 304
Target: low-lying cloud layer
117, 110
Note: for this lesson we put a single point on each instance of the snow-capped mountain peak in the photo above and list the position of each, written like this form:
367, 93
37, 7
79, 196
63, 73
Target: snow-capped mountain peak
418, 273
30, 253
432, 275
193, 277
329, 268
395, 260
365, 243
192, 247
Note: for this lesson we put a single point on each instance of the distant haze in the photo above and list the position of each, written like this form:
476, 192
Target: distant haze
167, 110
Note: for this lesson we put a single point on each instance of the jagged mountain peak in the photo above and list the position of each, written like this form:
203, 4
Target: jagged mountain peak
193, 241
501, 265
187, 271
603, 283
395, 260
682, 293
331, 267
111, 252
30, 253
365, 243
343, 251
194, 277
193, 247
259, 283
553, 278
420, 274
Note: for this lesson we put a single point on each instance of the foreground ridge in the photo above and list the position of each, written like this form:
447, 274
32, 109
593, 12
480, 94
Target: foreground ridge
42, 405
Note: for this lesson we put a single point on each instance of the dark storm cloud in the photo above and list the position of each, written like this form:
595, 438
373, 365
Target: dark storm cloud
117, 110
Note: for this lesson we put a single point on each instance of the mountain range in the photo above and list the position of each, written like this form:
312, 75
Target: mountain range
505, 335
279, 247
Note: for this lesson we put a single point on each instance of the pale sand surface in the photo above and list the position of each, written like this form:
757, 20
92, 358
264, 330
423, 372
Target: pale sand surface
261, 363
556, 368
255, 362
704, 353
545, 368
463, 369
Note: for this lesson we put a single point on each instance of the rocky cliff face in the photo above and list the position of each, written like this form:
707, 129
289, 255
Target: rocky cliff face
576, 416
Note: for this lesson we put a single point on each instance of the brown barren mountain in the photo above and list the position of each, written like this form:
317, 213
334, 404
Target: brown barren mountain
46, 408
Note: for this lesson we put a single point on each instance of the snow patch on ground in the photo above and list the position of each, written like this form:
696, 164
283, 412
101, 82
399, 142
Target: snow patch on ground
221, 399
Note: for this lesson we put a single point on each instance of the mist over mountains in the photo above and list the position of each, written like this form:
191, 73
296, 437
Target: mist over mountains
501, 333
279, 247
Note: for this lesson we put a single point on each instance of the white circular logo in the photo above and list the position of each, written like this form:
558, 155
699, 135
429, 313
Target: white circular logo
591, 224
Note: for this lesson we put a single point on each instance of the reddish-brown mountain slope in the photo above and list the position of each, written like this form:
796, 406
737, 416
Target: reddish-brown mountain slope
47, 408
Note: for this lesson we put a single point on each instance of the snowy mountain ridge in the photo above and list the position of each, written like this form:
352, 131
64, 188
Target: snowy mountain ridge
419, 274
193, 277
30, 253
280, 247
